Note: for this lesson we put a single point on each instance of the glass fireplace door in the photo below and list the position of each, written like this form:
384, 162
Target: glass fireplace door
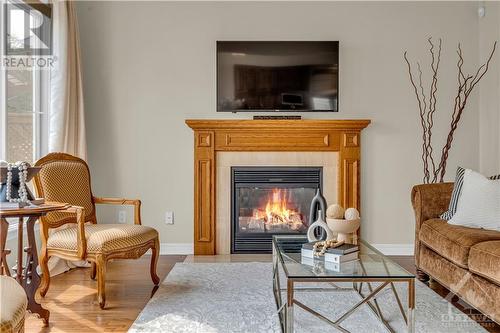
268, 201
283, 209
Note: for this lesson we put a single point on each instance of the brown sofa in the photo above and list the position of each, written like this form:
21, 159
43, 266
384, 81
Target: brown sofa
464, 260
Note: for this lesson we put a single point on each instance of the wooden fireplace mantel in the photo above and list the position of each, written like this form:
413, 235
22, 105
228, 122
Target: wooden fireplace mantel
211, 136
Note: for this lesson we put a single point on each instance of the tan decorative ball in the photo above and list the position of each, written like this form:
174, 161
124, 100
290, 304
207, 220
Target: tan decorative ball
351, 214
335, 211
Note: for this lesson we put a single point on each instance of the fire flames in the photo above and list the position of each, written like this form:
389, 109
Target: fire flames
277, 205
277, 212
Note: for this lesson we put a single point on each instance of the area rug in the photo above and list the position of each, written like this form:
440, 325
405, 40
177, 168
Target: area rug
238, 297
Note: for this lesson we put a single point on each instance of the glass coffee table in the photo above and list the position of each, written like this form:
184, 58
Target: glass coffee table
372, 268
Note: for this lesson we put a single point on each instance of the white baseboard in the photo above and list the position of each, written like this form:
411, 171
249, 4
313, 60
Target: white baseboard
176, 248
395, 249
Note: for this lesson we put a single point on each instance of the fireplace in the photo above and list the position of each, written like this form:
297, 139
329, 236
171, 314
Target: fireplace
221, 144
267, 201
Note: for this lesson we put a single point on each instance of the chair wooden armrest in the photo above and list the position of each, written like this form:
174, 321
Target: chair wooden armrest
122, 201
80, 221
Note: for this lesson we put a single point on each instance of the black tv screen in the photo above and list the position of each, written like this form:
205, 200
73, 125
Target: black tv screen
277, 76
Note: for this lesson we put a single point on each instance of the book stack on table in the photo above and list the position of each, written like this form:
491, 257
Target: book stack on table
343, 253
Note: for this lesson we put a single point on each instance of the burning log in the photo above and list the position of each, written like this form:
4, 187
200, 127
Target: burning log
256, 224
279, 213
276, 219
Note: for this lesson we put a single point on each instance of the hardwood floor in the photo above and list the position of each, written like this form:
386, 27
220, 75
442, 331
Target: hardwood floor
73, 303
72, 298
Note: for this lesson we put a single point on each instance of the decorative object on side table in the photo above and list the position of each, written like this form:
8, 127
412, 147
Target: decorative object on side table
434, 172
346, 225
14, 192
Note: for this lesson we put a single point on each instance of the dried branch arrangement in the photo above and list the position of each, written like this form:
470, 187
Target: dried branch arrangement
434, 172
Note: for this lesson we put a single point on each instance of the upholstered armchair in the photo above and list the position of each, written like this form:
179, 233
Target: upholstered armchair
65, 178
13, 304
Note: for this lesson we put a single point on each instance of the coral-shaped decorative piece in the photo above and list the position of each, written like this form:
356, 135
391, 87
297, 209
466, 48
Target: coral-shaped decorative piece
320, 248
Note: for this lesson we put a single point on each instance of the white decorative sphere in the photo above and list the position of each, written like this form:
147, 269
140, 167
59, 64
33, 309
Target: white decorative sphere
335, 211
351, 214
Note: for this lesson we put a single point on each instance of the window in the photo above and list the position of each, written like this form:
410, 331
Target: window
23, 87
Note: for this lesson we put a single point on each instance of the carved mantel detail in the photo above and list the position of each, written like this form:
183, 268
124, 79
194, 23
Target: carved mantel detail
210, 136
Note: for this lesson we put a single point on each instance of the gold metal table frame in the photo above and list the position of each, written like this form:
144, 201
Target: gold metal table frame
286, 308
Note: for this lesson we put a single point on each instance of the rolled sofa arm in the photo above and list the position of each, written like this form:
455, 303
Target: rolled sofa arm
429, 201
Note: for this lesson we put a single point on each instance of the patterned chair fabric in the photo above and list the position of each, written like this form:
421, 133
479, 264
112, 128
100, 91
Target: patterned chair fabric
66, 181
13, 303
103, 238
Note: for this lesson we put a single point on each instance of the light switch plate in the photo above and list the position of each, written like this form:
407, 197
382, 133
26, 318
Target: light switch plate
122, 216
169, 217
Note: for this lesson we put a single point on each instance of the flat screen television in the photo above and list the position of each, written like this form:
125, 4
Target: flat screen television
277, 76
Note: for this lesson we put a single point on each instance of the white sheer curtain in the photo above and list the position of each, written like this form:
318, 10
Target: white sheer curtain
66, 117
66, 128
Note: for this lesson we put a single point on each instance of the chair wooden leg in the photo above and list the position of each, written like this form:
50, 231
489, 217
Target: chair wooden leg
44, 266
93, 270
101, 277
154, 261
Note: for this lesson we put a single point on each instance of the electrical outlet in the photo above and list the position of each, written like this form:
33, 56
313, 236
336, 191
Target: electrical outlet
122, 216
169, 217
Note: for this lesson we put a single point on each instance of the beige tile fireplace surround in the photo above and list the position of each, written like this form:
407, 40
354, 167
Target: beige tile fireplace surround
220, 144
226, 160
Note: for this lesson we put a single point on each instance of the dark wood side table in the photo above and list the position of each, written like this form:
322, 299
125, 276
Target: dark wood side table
26, 275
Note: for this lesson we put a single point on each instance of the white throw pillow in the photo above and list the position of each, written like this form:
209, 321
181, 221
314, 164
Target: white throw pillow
479, 204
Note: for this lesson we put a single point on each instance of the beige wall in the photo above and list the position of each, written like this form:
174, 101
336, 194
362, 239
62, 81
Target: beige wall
150, 66
489, 97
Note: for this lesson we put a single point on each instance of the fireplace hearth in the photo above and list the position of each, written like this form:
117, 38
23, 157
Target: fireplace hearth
267, 201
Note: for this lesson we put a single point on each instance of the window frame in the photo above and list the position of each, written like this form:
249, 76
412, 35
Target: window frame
40, 103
